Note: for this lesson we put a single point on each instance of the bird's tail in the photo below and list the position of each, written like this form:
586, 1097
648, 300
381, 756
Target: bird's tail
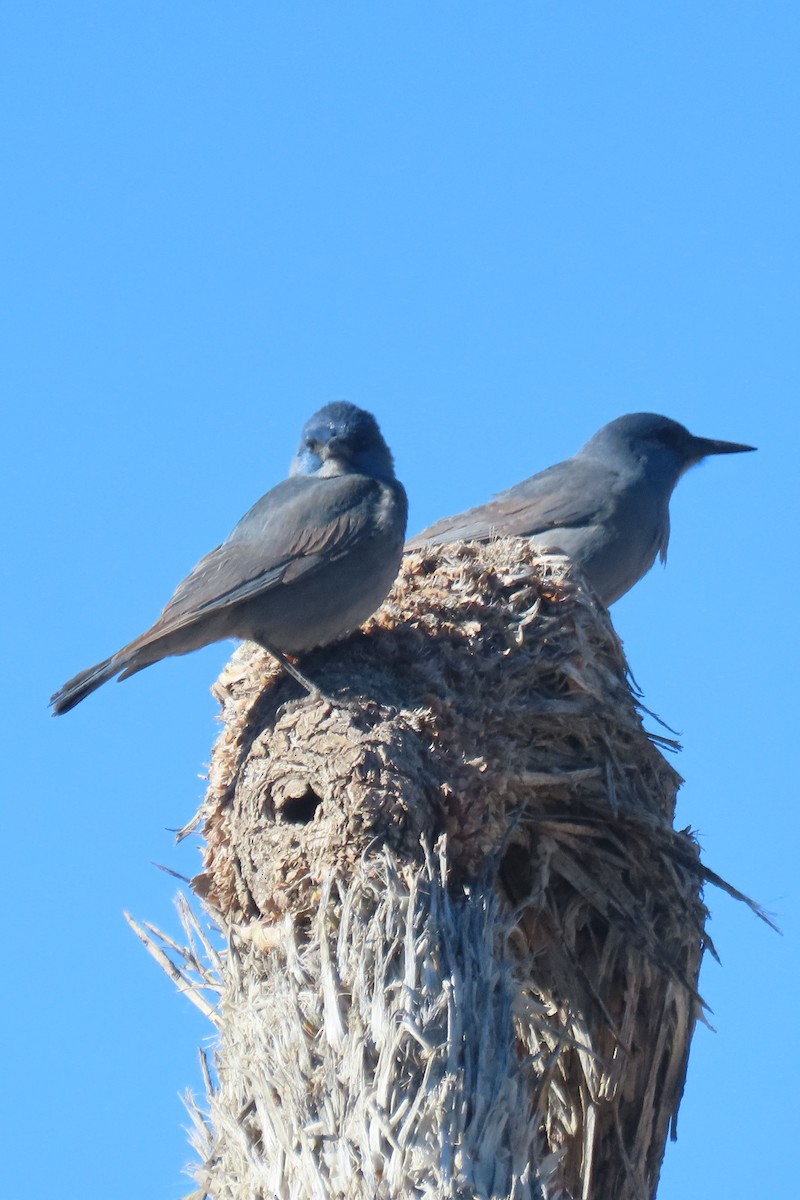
77, 689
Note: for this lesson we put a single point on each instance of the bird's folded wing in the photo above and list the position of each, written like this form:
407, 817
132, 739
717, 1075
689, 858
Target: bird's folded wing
302, 527
573, 493
577, 492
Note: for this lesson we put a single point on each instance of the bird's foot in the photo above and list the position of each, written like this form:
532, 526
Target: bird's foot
314, 691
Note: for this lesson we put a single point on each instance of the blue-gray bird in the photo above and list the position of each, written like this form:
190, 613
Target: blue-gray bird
307, 564
607, 508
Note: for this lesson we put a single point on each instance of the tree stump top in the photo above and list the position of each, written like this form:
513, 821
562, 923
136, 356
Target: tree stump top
488, 695
485, 710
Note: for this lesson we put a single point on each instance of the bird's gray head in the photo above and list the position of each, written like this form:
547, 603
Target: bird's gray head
342, 439
662, 447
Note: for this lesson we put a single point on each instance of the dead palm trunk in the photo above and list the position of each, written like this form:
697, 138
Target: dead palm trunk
462, 938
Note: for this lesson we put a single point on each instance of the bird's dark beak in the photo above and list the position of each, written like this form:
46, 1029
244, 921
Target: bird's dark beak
333, 448
702, 447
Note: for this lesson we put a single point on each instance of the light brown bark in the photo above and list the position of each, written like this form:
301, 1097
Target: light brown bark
463, 936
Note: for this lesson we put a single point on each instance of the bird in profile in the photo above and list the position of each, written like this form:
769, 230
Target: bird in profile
607, 508
306, 565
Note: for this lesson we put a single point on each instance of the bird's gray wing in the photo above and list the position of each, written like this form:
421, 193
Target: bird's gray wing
301, 524
577, 492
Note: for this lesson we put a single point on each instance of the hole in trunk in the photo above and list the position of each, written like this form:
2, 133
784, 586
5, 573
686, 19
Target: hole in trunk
299, 810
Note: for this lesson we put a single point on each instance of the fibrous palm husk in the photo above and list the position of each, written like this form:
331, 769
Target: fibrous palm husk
463, 936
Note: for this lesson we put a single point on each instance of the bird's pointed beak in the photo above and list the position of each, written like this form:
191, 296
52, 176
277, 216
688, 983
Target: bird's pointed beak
334, 450
335, 458
703, 447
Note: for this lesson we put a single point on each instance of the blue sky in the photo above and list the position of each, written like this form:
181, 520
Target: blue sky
497, 226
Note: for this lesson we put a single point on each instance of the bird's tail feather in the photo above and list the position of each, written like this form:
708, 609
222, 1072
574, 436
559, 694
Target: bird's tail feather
77, 689
152, 646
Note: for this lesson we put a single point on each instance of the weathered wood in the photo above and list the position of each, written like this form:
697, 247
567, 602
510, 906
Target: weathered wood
463, 936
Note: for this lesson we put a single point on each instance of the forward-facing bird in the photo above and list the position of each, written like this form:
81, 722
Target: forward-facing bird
307, 564
607, 508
